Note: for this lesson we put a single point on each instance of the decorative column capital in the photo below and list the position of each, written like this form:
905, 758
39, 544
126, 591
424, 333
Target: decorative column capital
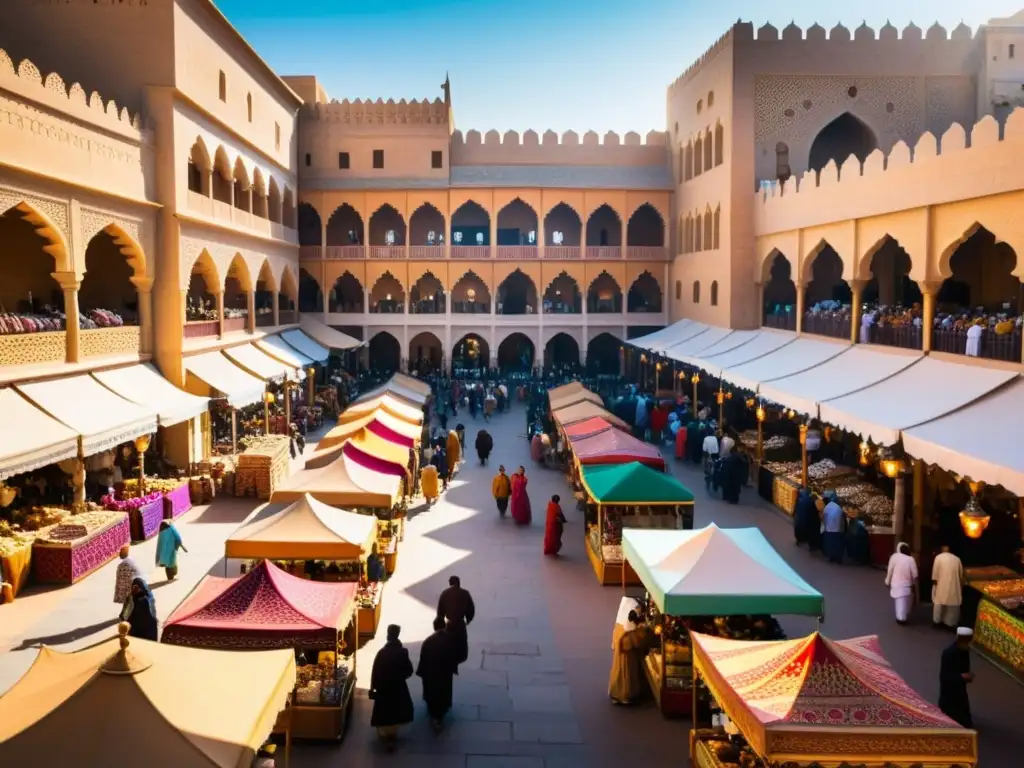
930, 287
69, 281
142, 284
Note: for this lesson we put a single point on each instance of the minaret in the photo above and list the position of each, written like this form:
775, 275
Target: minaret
446, 86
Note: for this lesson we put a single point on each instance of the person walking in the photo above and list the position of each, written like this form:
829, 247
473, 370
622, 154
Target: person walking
806, 523
628, 647
553, 526
168, 542
947, 588
834, 538
437, 668
140, 611
484, 446
127, 571
501, 488
954, 675
456, 608
521, 511
389, 689
901, 578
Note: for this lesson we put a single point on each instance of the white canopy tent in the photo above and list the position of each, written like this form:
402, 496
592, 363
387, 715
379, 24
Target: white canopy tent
726, 343
326, 335
919, 393
851, 371
30, 438
281, 350
668, 336
301, 342
764, 344
220, 374
802, 355
101, 418
696, 343
981, 441
262, 365
143, 385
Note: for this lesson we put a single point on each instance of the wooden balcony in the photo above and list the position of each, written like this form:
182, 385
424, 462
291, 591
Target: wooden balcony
604, 252
426, 252
387, 252
647, 252
517, 252
314, 252
471, 251
902, 336
341, 252
561, 252
833, 327
201, 329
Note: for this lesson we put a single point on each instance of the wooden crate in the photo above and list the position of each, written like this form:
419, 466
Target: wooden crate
784, 495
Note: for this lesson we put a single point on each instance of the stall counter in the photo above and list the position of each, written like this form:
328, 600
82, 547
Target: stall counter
998, 632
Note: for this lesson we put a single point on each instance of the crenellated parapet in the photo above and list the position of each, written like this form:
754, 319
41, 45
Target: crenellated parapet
716, 47
379, 112
550, 148
955, 166
551, 139
25, 81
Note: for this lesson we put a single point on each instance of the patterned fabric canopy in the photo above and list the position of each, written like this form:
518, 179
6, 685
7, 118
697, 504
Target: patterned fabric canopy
587, 428
778, 691
616, 447
264, 599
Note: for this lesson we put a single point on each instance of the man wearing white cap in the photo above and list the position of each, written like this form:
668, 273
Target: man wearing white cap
901, 579
954, 675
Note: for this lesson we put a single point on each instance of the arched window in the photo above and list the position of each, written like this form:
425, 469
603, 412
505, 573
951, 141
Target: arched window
782, 170
709, 234
696, 235
714, 293
711, 98
389, 237
679, 290
698, 156
696, 291
248, 105
688, 235
222, 86
709, 150
689, 162
719, 145
682, 163
715, 227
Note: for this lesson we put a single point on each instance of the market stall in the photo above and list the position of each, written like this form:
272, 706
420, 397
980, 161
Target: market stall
232, 390
613, 446
565, 417
574, 398
139, 704
814, 701
587, 428
398, 389
343, 484
720, 576
268, 608
323, 334
630, 495
387, 402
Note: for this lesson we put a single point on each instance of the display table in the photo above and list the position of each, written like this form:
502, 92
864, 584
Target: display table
784, 494
998, 630
17, 567
67, 563
144, 522
613, 571
704, 745
673, 691
368, 615
177, 502
319, 722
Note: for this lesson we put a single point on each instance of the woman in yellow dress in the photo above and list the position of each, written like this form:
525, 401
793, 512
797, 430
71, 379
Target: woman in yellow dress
454, 451
428, 482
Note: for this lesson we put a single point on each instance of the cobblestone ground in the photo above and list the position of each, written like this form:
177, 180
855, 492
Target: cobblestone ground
533, 693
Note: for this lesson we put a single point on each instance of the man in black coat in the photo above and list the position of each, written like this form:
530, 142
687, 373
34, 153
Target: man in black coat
437, 667
954, 675
392, 704
455, 606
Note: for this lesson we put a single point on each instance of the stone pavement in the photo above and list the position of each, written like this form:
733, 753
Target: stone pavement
534, 691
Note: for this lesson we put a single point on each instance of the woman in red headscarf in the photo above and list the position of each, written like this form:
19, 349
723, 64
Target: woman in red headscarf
520, 501
553, 526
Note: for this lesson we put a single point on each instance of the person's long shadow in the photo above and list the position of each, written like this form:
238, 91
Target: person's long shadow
66, 637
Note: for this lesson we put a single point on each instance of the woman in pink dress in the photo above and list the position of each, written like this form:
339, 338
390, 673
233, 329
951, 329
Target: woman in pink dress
520, 501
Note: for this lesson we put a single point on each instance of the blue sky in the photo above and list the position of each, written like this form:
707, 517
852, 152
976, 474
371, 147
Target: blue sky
541, 64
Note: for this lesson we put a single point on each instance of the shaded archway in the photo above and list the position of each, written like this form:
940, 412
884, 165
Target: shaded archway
427, 296
288, 208
604, 294
846, 135
236, 294
646, 228
200, 168
561, 351
309, 225
779, 309
563, 226
345, 226
516, 353
107, 285
471, 296
387, 296
311, 298
644, 294
890, 283
471, 225
287, 298
517, 224
603, 354
242, 184
470, 353
274, 201
346, 294
563, 296
517, 295
425, 353
385, 353
827, 296
426, 226
222, 179
387, 227
28, 287
604, 228
259, 195
203, 286
266, 290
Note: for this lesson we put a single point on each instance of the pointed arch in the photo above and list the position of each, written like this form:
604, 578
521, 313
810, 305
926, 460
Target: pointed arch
426, 353
604, 294
345, 226
238, 271
471, 352
698, 155
645, 294
426, 225
311, 296
470, 295
266, 280
259, 195
604, 227
385, 352
288, 208
289, 283
274, 201
688, 163
427, 295
603, 354
698, 233
716, 230
200, 167
709, 230
719, 144
563, 226
516, 352
696, 292
846, 135
646, 227
387, 296
517, 223
517, 294
562, 350
222, 178
346, 295
562, 295
471, 225
387, 226
714, 293
709, 150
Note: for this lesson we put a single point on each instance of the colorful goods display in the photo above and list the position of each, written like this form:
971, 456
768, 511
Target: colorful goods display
11, 323
999, 626
145, 513
98, 537
265, 462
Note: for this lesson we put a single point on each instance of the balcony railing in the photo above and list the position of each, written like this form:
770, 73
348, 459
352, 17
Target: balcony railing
241, 218
287, 317
604, 252
647, 252
994, 346
387, 252
833, 327
781, 322
199, 202
233, 324
221, 210
337, 252
517, 252
561, 252
902, 336
314, 252
471, 251
199, 329
264, 319
426, 252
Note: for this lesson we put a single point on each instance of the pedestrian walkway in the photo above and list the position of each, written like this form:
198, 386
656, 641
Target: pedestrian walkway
533, 693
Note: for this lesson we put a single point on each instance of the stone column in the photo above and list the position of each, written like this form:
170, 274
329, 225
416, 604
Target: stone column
760, 304
144, 286
323, 239
250, 308
277, 308
799, 307
220, 313
541, 239
857, 287
70, 284
493, 244
929, 290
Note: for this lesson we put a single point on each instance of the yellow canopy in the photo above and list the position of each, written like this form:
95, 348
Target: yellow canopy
388, 402
148, 706
305, 530
392, 387
341, 432
381, 448
411, 382
342, 483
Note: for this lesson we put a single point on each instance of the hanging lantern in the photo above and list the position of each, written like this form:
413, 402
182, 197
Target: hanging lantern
268, 398
889, 463
828, 434
728, 395
974, 519
142, 443
643, 358
682, 375
865, 454
695, 378
760, 413
720, 397
750, 402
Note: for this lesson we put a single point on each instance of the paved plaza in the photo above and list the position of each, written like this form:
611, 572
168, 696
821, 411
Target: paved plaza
533, 693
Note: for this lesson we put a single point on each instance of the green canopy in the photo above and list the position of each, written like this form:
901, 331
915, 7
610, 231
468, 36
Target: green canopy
717, 572
633, 483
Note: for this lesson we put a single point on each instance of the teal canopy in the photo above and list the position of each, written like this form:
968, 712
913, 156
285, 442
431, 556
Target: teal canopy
717, 572
632, 483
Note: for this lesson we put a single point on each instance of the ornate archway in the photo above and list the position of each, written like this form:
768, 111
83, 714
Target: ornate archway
387, 227
604, 228
846, 135
779, 309
385, 353
517, 224
562, 351
471, 225
346, 294
471, 296
563, 296
644, 294
345, 226
471, 353
604, 295
516, 353
646, 228
427, 297
426, 226
311, 298
603, 354
426, 353
563, 227
517, 295
387, 296
309, 225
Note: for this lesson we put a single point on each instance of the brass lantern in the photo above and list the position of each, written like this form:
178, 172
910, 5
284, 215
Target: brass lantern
760, 413
750, 402
889, 463
268, 398
973, 519
695, 378
720, 397
865, 454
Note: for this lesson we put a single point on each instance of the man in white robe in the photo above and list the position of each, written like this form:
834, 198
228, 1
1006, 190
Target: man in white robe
947, 588
901, 578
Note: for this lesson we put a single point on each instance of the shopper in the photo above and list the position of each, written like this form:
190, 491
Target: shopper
127, 571
947, 588
484, 446
140, 611
456, 608
521, 511
954, 675
437, 667
625, 676
167, 545
901, 578
392, 704
501, 488
834, 537
553, 526
806, 522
